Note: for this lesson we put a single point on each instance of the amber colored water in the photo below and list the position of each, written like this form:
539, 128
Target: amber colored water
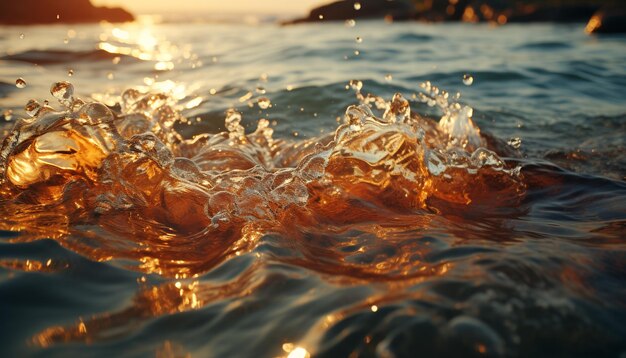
234, 190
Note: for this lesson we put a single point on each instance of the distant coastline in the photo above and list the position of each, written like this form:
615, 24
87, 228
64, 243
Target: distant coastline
33, 12
601, 16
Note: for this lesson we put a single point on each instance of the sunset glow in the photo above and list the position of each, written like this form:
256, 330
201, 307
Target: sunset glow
312, 178
233, 6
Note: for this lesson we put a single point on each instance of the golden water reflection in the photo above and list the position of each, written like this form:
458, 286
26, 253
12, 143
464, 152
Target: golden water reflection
355, 206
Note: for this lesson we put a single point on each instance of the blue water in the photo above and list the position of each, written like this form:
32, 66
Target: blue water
547, 278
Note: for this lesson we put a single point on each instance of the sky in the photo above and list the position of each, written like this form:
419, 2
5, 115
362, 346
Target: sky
218, 6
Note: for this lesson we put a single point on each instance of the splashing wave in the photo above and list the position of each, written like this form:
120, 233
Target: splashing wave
128, 171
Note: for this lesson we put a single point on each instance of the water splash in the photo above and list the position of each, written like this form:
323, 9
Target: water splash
89, 161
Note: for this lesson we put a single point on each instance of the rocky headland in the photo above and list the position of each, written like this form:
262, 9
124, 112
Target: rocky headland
31, 12
602, 16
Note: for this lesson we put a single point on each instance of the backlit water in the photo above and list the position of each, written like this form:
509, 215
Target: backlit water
343, 231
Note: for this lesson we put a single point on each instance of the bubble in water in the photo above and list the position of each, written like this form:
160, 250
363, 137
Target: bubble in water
116, 60
388, 77
359, 39
260, 90
20, 83
357, 6
110, 76
58, 16
350, 23
63, 91
321, 17
264, 103
70, 73
130, 97
21, 36
357, 52
515, 142
95, 113
32, 108
468, 80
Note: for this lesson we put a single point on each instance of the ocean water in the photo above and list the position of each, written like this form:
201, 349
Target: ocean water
256, 190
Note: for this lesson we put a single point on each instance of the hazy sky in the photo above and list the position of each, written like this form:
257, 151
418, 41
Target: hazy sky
242, 6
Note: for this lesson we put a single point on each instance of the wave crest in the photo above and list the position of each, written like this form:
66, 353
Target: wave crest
127, 170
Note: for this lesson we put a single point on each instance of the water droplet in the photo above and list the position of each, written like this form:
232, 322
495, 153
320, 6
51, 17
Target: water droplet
515, 142
264, 103
70, 73
8, 115
58, 16
356, 85
321, 17
20, 83
32, 108
260, 90
116, 60
63, 91
350, 23
110, 76
66, 41
468, 80
357, 6
357, 52
359, 39
388, 77
21, 36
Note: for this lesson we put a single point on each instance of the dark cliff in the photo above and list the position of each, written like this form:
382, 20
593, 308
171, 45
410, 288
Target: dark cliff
27, 12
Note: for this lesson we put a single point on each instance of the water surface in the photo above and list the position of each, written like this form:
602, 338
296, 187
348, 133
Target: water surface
388, 260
